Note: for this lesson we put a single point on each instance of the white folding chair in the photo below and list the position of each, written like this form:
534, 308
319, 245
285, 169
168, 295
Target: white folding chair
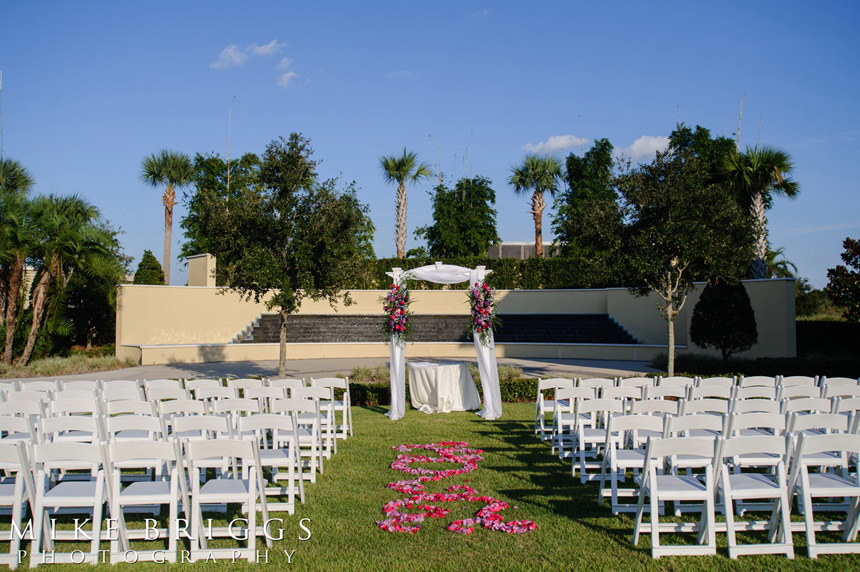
797, 392
810, 485
245, 489
16, 488
344, 404
309, 427
623, 393
265, 395
806, 405
159, 389
710, 392
286, 383
84, 496
69, 429
244, 383
544, 405
724, 382
14, 429
277, 435
129, 407
565, 401
590, 435
754, 405
744, 485
22, 408
164, 489
757, 381
832, 390
626, 437
597, 383
121, 390
706, 405
664, 391
676, 381
123, 428
192, 385
324, 396
81, 384
636, 381
798, 380
659, 487
38, 385
235, 408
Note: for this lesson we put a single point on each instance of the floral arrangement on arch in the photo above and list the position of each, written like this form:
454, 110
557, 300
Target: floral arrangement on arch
398, 320
482, 299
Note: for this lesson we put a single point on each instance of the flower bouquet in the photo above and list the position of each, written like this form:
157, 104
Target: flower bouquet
482, 301
398, 317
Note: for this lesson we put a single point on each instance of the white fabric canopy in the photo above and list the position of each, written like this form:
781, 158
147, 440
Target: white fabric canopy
446, 274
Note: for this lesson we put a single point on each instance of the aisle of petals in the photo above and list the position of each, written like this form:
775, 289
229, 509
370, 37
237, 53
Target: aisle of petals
425, 503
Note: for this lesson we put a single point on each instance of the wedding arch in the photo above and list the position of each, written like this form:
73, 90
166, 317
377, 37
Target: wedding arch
484, 344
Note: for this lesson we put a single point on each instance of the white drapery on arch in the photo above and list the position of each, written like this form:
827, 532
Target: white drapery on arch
446, 274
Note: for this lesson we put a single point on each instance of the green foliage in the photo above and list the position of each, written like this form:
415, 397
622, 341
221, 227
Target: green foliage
290, 237
149, 270
711, 152
401, 170
724, 319
538, 174
464, 220
588, 222
808, 301
843, 285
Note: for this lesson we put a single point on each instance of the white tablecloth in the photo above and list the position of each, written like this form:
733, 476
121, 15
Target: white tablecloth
442, 388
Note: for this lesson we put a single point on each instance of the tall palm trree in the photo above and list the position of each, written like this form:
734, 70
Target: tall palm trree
538, 173
174, 170
400, 170
758, 174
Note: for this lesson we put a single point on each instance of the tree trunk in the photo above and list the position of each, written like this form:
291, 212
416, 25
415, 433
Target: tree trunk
40, 300
400, 223
168, 200
16, 277
282, 358
671, 366
537, 213
759, 263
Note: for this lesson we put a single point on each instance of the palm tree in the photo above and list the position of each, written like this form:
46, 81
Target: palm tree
173, 170
16, 242
758, 175
69, 241
540, 174
400, 170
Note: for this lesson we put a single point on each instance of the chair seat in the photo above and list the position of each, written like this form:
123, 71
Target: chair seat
681, 487
132, 435
73, 493
7, 493
275, 457
758, 460
225, 490
629, 458
832, 485
748, 485
145, 492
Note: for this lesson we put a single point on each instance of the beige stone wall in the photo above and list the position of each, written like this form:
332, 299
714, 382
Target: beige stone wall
158, 324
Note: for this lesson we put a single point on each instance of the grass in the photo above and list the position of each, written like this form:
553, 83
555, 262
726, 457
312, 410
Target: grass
574, 532
73, 364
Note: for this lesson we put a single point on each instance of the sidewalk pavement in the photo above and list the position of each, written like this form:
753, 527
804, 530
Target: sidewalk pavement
340, 367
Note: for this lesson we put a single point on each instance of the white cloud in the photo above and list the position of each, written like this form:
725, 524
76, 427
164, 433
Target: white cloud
555, 143
269, 49
284, 79
230, 56
285, 64
643, 149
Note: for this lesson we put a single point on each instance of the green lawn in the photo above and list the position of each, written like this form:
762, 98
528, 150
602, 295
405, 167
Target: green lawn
574, 533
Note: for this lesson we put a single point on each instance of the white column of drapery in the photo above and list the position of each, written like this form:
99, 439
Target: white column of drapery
398, 378
487, 366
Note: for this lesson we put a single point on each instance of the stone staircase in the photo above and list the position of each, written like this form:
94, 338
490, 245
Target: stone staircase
522, 328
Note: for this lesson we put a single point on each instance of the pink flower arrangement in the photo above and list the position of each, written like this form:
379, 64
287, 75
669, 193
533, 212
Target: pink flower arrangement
482, 301
396, 307
425, 503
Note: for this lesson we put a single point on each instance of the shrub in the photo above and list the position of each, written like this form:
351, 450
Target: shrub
724, 319
149, 270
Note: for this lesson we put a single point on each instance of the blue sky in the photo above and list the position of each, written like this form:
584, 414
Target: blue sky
90, 88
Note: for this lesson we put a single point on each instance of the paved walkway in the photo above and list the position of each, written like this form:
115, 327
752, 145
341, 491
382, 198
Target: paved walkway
331, 367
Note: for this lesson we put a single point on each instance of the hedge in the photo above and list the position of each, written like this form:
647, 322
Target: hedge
513, 391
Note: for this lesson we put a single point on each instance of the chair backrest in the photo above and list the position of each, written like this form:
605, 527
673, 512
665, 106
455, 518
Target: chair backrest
553, 383
162, 383
775, 423
63, 455
757, 444
72, 406
80, 384
144, 451
757, 381
68, 428
826, 422
724, 382
211, 426
244, 449
121, 389
37, 396
682, 425
755, 392
203, 383
809, 445
313, 393
335, 382
595, 382
846, 404
244, 406
798, 380
265, 393
39, 385
825, 381
710, 392
754, 406
22, 408
632, 425
676, 381
147, 426
245, 383
181, 407
797, 391
807, 404
691, 406
17, 428
262, 424
628, 392
830, 391
130, 407
654, 406
569, 393
664, 391
596, 409
286, 383
660, 448
636, 381
166, 393
214, 393
294, 404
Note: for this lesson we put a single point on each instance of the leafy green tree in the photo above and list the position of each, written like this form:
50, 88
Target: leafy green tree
724, 319
17, 239
758, 175
401, 170
588, 221
843, 284
149, 270
778, 265
464, 220
713, 152
210, 178
70, 239
681, 229
292, 237
172, 170
540, 174
808, 301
